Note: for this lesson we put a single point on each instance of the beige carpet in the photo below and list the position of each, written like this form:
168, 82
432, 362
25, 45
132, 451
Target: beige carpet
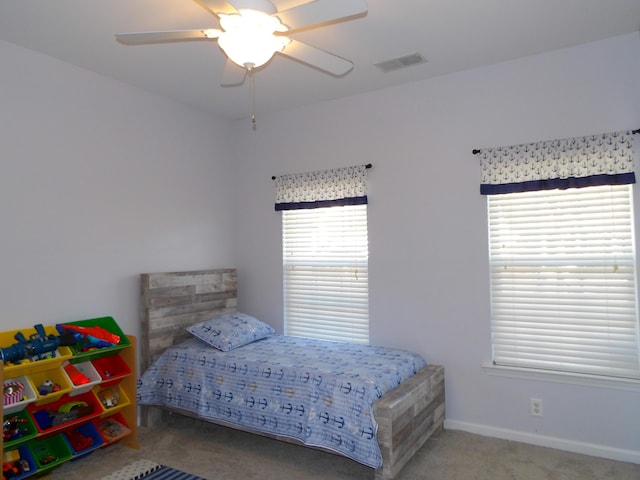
220, 453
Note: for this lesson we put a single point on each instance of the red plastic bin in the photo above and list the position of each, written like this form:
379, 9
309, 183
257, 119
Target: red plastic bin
112, 428
112, 369
43, 420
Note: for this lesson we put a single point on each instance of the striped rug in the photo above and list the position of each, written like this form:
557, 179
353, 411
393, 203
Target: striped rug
146, 470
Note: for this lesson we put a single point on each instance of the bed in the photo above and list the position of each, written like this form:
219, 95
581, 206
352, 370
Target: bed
408, 412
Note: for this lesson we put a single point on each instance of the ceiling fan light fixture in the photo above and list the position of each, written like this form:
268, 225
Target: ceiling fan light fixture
211, 33
248, 38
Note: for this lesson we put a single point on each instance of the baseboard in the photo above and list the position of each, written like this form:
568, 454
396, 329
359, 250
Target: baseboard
595, 450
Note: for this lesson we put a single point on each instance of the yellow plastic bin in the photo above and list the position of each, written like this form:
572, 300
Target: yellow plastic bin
50, 385
113, 398
49, 359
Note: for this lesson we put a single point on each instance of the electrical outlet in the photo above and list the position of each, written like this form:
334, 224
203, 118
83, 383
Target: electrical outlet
536, 407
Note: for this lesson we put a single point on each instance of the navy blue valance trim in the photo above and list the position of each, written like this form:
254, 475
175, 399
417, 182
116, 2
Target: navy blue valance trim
340, 202
558, 183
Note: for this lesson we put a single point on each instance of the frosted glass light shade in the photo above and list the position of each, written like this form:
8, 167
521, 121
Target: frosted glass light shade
248, 38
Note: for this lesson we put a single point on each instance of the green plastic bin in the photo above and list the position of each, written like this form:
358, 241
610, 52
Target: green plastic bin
109, 324
25, 427
49, 452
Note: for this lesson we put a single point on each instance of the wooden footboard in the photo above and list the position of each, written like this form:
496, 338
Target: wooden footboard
407, 417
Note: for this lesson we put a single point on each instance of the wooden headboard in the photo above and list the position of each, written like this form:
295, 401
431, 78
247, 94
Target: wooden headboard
173, 301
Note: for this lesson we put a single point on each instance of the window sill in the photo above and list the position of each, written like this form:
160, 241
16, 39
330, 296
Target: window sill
567, 378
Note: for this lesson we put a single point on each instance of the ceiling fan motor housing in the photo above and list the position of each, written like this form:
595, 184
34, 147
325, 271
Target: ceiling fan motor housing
261, 5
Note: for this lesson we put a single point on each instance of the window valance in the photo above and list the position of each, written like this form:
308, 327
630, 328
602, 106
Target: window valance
327, 188
605, 159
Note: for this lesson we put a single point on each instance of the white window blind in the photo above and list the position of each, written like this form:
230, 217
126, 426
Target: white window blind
325, 264
563, 280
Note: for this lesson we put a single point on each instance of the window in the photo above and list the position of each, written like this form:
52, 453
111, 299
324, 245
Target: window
563, 280
325, 265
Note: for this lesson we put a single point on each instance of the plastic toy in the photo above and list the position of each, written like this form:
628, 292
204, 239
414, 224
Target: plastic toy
48, 458
13, 469
109, 398
66, 412
78, 441
35, 347
13, 392
13, 466
12, 428
76, 376
11, 456
48, 387
111, 429
72, 406
92, 337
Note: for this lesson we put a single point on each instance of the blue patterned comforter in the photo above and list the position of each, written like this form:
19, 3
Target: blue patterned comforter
318, 392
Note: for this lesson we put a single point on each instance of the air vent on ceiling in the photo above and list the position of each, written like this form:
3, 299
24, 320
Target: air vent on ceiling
401, 62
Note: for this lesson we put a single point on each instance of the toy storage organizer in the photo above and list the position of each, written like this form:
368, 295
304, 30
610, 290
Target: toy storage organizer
67, 405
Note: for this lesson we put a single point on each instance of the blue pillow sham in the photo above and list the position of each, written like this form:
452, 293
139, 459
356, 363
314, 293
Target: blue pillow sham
231, 331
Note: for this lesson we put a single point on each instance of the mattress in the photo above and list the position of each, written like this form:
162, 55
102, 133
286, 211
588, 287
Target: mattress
318, 392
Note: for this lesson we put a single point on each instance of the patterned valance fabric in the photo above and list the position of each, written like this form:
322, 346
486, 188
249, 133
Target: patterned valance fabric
327, 188
605, 159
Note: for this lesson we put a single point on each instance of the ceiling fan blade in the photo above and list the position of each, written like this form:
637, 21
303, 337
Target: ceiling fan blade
233, 75
317, 58
321, 11
162, 37
217, 6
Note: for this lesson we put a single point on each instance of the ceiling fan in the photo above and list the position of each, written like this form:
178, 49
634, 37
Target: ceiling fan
252, 31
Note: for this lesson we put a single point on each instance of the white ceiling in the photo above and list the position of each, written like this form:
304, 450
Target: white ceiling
453, 35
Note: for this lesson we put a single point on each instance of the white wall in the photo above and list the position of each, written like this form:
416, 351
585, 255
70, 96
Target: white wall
429, 287
99, 183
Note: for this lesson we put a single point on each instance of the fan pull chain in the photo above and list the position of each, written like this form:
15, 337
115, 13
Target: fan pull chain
253, 100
